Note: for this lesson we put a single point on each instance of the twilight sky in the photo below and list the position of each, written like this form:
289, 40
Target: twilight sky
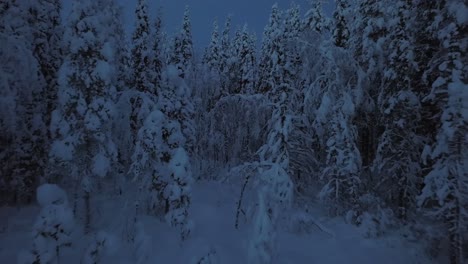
203, 12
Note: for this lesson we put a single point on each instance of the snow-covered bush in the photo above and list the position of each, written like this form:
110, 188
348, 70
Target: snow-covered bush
373, 217
143, 244
211, 257
54, 225
101, 246
274, 195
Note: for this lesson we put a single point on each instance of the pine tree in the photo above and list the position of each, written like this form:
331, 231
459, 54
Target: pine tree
81, 124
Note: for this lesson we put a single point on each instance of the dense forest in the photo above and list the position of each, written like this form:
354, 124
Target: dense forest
364, 113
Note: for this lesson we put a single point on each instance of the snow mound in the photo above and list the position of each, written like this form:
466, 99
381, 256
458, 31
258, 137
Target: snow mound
50, 194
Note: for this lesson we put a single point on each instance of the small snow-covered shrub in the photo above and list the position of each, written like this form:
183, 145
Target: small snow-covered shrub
274, 196
375, 218
54, 224
101, 246
211, 257
143, 244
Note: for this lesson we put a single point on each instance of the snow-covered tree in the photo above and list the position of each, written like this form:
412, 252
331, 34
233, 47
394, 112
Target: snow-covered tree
141, 51
212, 56
315, 19
81, 124
275, 185
178, 105
175, 86
338, 89
398, 153
186, 38
280, 62
447, 182
100, 246
45, 20
21, 120
225, 56
54, 225
269, 51
182, 55
158, 55
144, 71
233, 64
341, 175
368, 41
122, 51
292, 22
341, 31
292, 61
150, 152
247, 62
161, 166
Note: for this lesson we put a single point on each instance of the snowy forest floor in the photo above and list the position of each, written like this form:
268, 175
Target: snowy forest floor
213, 212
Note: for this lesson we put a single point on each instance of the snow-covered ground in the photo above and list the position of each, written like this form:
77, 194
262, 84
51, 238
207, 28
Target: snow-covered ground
213, 212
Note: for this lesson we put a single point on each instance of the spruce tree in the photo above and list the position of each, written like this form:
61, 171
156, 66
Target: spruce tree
22, 123
158, 54
246, 55
447, 181
83, 145
45, 20
212, 56
341, 31
141, 54
315, 19
182, 55
225, 55
269, 52
398, 152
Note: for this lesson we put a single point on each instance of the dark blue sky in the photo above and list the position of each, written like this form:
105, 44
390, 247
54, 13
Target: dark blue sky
203, 12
